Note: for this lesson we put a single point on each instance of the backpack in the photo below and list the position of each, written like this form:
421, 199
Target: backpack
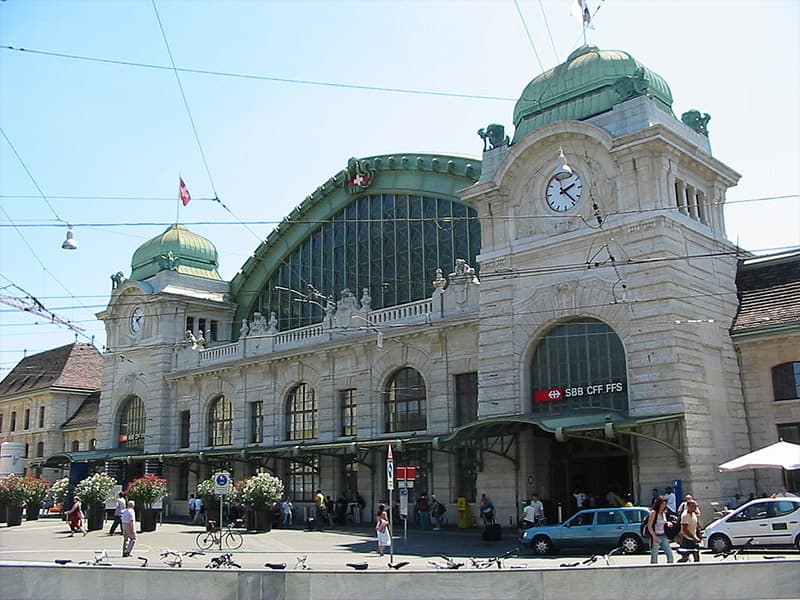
671, 528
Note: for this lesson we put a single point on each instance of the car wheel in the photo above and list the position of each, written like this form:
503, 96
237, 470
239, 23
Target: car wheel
719, 543
541, 544
797, 542
630, 544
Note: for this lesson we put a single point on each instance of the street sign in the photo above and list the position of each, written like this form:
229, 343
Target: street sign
390, 470
222, 484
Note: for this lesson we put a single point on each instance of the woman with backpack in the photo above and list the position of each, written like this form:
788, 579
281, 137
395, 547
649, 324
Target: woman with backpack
655, 531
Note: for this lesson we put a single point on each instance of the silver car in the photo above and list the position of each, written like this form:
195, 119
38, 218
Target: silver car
761, 522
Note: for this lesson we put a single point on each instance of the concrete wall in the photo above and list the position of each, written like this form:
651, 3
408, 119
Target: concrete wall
711, 581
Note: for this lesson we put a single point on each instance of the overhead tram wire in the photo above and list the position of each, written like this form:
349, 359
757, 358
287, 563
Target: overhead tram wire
332, 84
194, 127
549, 33
43, 224
31, 177
528, 33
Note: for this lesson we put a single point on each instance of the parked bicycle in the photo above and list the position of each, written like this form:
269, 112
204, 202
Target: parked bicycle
302, 563
486, 563
448, 563
224, 561
206, 540
175, 559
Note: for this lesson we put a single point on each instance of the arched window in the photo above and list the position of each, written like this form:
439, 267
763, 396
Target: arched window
301, 413
132, 424
406, 399
220, 422
39, 449
579, 365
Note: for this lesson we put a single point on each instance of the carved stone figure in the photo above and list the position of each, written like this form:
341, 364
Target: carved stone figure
190, 340
366, 300
330, 309
347, 300
697, 121
439, 282
244, 330
273, 323
463, 271
117, 279
201, 340
493, 136
258, 325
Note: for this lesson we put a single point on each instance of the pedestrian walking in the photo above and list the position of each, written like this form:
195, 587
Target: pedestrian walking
118, 508
76, 518
128, 520
655, 530
383, 529
192, 508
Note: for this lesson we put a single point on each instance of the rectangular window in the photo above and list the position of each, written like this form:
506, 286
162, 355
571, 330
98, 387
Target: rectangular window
466, 398
13, 421
183, 481
347, 400
190, 324
26, 419
303, 480
185, 423
41, 417
786, 381
201, 327
213, 331
256, 422
1, 422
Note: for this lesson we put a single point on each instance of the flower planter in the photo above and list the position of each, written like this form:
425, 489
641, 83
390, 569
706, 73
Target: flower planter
262, 519
148, 519
95, 515
32, 512
14, 516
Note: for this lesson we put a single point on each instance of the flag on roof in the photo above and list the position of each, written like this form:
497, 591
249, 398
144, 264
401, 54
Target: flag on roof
183, 193
580, 10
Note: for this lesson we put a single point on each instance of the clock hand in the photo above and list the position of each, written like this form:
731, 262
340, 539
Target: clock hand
564, 189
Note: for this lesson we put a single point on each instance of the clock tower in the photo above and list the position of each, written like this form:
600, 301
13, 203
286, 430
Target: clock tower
174, 292
603, 218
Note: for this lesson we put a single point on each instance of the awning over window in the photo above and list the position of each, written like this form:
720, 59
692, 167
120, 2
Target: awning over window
662, 429
65, 458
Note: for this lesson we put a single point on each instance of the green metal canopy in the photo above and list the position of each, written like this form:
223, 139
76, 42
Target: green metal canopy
177, 249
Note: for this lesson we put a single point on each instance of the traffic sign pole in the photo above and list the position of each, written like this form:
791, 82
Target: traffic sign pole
390, 486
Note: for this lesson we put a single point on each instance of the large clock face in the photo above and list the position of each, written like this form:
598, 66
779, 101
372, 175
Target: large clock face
564, 194
137, 319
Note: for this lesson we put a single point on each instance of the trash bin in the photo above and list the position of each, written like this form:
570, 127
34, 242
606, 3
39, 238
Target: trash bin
464, 513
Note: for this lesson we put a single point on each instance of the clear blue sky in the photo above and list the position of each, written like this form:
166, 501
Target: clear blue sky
106, 142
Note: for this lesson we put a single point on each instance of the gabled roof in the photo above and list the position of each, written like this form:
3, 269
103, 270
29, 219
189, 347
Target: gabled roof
86, 415
769, 293
75, 366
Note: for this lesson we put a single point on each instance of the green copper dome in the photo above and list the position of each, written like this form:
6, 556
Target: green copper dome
590, 82
177, 249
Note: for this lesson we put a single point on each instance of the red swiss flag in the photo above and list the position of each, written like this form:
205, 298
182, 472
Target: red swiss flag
551, 395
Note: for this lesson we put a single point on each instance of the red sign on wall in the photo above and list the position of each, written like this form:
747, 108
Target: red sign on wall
551, 395
402, 473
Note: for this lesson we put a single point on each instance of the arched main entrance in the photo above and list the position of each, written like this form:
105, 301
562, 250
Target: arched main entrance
578, 372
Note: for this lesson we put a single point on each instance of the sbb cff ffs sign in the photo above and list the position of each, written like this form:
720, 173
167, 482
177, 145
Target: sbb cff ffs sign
556, 394
406, 476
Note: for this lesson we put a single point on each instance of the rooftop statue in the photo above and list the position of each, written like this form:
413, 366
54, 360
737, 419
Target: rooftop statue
494, 135
117, 279
631, 86
697, 121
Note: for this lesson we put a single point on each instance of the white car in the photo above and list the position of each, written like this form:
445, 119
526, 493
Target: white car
761, 522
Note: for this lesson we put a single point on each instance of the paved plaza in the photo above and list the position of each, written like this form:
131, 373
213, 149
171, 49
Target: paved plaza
47, 539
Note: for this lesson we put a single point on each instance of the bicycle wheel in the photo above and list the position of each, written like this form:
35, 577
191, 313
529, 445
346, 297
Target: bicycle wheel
233, 540
205, 540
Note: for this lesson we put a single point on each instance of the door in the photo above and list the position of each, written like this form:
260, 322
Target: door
580, 530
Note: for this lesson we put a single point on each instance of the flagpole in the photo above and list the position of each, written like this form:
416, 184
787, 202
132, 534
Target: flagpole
178, 207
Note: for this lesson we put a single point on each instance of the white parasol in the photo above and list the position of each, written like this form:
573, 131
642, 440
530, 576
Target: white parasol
781, 455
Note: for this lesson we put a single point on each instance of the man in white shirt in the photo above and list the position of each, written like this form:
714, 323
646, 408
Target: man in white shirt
192, 508
672, 503
118, 508
534, 512
785, 493
128, 519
